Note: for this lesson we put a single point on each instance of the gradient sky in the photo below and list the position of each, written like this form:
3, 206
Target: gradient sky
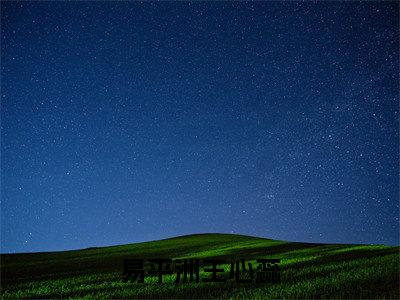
128, 122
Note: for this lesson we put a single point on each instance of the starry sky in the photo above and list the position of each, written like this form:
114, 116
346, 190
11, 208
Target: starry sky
128, 122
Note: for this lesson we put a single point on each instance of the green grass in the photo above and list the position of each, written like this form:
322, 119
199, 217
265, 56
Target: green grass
308, 270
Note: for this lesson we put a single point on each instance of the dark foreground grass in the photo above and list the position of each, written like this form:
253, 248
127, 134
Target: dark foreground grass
308, 270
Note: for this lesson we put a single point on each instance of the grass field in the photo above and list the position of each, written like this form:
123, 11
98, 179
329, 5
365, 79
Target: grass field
307, 270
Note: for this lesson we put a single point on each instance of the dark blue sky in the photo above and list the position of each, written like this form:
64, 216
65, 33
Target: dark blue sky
128, 122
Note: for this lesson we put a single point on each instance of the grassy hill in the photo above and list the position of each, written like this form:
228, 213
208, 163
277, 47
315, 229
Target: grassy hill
307, 270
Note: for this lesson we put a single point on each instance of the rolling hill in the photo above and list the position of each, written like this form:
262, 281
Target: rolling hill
307, 270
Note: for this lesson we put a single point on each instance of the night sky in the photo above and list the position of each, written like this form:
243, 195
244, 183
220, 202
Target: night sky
129, 122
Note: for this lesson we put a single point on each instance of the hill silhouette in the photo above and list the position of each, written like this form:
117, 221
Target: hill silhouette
307, 270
